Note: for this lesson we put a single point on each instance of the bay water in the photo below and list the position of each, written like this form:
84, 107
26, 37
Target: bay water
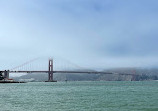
80, 96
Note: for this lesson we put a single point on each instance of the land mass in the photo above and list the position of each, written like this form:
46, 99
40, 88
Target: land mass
141, 74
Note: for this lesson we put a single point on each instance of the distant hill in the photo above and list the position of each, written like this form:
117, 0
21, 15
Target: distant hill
59, 77
137, 71
142, 74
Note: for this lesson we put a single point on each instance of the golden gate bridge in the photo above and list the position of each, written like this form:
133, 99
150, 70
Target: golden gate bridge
51, 71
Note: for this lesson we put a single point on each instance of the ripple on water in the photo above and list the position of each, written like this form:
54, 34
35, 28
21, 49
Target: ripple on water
80, 96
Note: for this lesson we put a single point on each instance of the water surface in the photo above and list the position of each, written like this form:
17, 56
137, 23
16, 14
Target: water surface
80, 96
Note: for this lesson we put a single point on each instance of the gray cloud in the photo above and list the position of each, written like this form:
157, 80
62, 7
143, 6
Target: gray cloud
80, 31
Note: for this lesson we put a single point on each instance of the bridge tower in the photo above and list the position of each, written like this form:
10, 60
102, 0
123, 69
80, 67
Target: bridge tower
50, 69
133, 75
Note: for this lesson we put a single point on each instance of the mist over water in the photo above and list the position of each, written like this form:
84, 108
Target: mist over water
80, 96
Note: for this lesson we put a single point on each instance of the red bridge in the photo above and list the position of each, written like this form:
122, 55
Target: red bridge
50, 72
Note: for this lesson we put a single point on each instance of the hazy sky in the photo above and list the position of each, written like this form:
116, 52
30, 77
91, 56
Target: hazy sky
90, 33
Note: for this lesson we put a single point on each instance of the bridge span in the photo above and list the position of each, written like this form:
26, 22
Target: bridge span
50, 72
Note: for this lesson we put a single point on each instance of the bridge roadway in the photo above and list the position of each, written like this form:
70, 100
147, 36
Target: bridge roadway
85, 72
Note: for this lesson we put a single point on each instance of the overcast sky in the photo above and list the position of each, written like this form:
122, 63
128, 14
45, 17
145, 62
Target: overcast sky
90, 33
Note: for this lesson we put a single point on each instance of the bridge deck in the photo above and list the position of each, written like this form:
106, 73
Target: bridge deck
86, 72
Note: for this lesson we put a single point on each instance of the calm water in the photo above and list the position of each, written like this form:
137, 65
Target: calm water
80, 96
